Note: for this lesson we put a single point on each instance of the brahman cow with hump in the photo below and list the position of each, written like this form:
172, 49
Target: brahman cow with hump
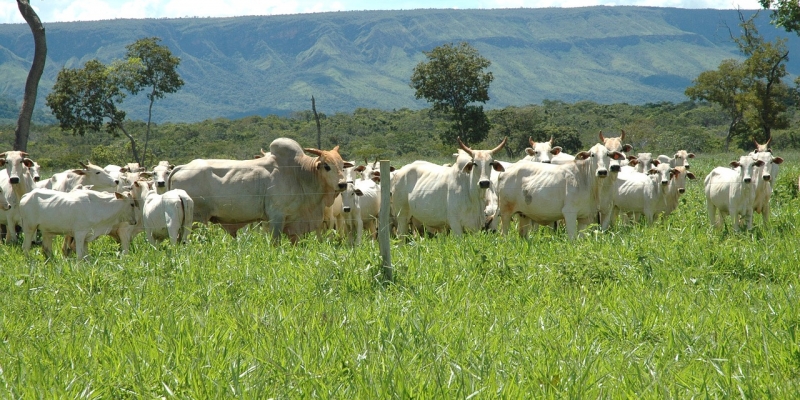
285, 187
731, 191
546, 193
83, 214
440, 198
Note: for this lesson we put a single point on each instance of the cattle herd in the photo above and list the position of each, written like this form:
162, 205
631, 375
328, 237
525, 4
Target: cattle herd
293, 193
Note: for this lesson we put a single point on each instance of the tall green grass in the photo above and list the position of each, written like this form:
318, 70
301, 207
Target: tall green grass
675, 309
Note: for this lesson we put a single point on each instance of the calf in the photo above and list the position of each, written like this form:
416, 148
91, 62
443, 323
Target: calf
167, 215
639, 193
83, 214
160, 174
361, 206
732, 192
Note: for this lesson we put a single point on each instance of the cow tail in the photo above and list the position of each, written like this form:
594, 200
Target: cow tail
187, 205
169, 178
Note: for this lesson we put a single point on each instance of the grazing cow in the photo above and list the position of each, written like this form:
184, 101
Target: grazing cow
439, 197
732, 192
361, 206
546, 193
680, 159
90, 175
83, 214
764, 176
285, 187
15, 181
641, 193
160, 174
163, 216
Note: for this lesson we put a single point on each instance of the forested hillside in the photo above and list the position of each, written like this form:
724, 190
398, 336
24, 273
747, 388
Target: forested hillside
236, 67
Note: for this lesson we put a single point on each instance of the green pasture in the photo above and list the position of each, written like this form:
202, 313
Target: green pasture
672, 310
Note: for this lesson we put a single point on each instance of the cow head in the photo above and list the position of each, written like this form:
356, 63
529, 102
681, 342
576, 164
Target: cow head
661, 173
769, 170
350, 198
679, 178
99, 178
17, 165
484, 161
762, 147
330, 166
681, 159
161, 172
541, 151
745, 166
131, 212
600, 159
615, 144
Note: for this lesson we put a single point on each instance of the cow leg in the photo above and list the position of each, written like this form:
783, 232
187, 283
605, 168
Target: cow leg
11, 232
571, 224
30, 233
68, 246
524, 225
712, 214
359, 230
47, 244
81, 247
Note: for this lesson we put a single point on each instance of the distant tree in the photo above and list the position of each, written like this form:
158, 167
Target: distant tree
726, 88
451, 79
152, 67
88, 98
23, 128
785, 14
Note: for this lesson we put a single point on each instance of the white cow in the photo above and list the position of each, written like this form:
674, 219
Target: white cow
83, 214
730, 191
764, 176
546, 193
641, 193
616, 144
762, 147
676, 187
34, 170
113, 171
163, 216
439, 197
541, 151
90, 175
15, 181
679, 159
361, 206
160, 174
285, 187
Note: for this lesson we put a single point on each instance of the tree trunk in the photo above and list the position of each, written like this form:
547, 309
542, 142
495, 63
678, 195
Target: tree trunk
147, 134
133, 145
23, 128
316, 118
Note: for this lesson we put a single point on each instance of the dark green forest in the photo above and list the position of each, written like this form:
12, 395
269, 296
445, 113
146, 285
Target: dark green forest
405, 135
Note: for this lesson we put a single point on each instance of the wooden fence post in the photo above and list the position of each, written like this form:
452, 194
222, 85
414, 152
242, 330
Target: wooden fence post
385, 222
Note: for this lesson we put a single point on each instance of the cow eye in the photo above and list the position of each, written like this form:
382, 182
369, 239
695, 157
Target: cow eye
97, 173
327, 167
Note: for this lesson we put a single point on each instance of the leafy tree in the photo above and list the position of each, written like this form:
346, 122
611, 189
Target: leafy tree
23, 128
151, 67
725, 87
785, 14
88, 98
451, 79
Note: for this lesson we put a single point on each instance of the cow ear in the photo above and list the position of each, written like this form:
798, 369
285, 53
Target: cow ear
392, 169
79, 171
124, 169
617, 155
652, 171
29, 163
145, 175
347, 164
627, 148
691, 155
655, 162
360, 168
529, 151
759, 163
633, 162
674, 172
358, 192
735, 164
498, 167
171, 166
2, 162
777, 160
468, 168
376, 178
556, 150
583, 155
119, 195
690, 175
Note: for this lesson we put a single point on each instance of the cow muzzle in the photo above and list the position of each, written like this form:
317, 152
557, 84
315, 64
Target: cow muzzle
664, 183
37, 178
346, 209
14, 180
602, 173
484, 184
545, 161
342, 185
767, 177
615, 168
681, 190
161, 184
747, 180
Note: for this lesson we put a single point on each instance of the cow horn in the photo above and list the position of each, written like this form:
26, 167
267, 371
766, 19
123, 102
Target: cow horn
532, 143
500, 146
602, 139
83, 165
463, 146
622, 137
24, 154
316, 152
768, 140
551, 140
263, 153
756, 142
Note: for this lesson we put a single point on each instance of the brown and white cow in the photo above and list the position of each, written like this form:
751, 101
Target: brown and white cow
285, 187
83, 214
440, 197
546, 193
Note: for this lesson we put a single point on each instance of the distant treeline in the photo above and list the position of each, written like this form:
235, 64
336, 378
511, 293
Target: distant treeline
405, 135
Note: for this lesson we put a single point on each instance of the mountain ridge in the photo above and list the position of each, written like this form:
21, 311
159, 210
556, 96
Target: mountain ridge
256, 65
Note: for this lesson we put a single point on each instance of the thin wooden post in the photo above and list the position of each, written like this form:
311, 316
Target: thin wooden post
385, 222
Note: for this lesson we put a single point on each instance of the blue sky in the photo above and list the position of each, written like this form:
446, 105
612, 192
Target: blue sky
88, 10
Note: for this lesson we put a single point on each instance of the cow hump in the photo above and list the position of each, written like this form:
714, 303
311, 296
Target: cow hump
285, 149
